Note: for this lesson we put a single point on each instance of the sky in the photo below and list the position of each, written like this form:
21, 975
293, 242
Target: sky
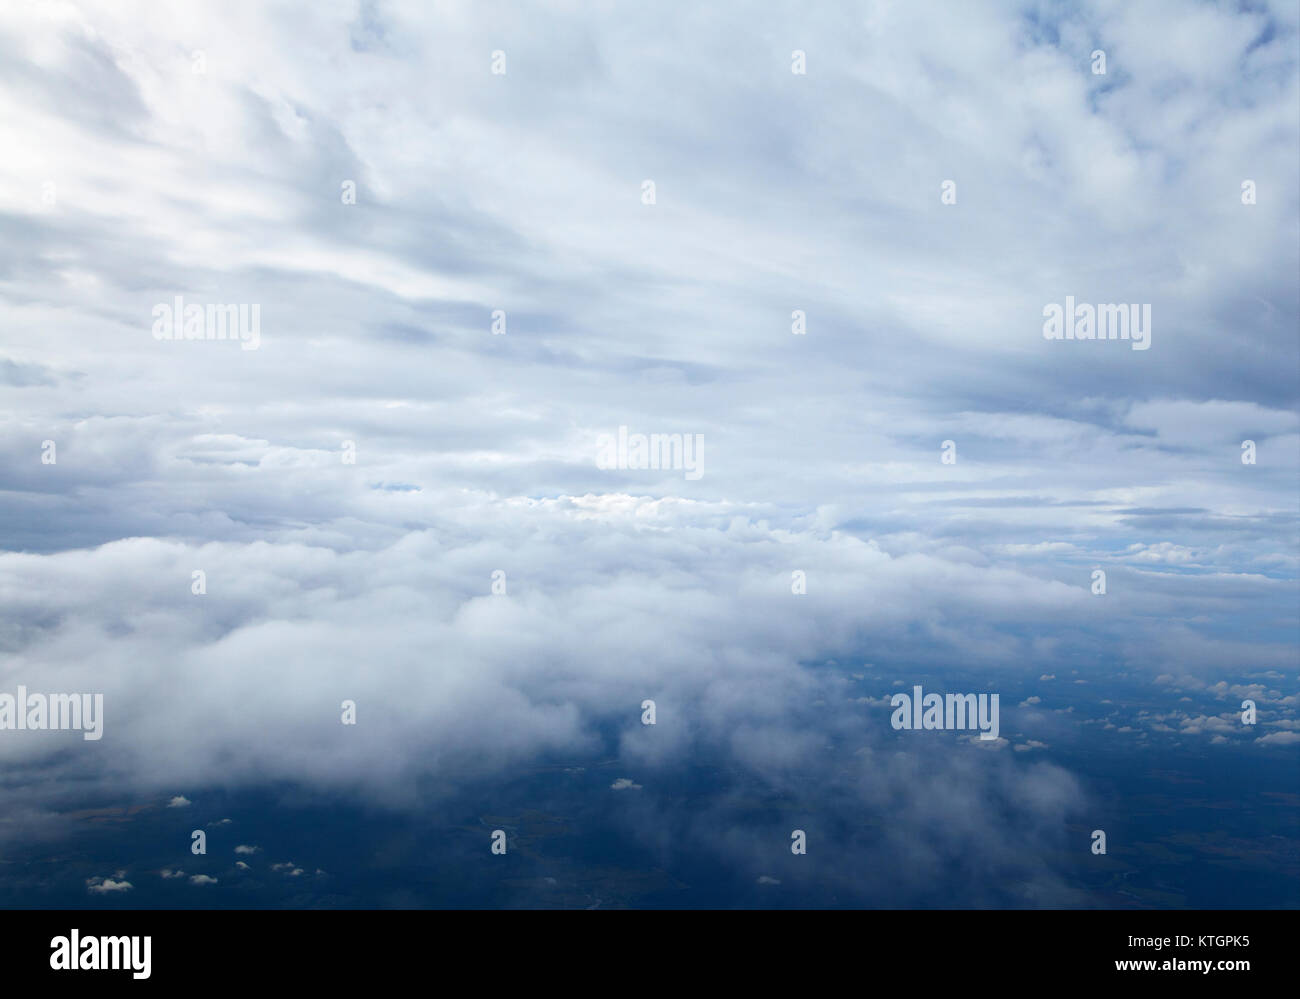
440, 212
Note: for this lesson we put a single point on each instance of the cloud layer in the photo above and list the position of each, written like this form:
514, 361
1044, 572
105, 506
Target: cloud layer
204, 151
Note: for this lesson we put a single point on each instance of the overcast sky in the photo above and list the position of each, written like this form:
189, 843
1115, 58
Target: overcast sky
203, 150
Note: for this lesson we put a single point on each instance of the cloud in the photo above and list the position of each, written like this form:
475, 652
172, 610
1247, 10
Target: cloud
202, 879
624, 783
476, 453
103, 886
1200, 724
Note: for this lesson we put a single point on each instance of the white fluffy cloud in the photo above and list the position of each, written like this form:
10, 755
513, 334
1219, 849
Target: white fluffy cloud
104, 886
